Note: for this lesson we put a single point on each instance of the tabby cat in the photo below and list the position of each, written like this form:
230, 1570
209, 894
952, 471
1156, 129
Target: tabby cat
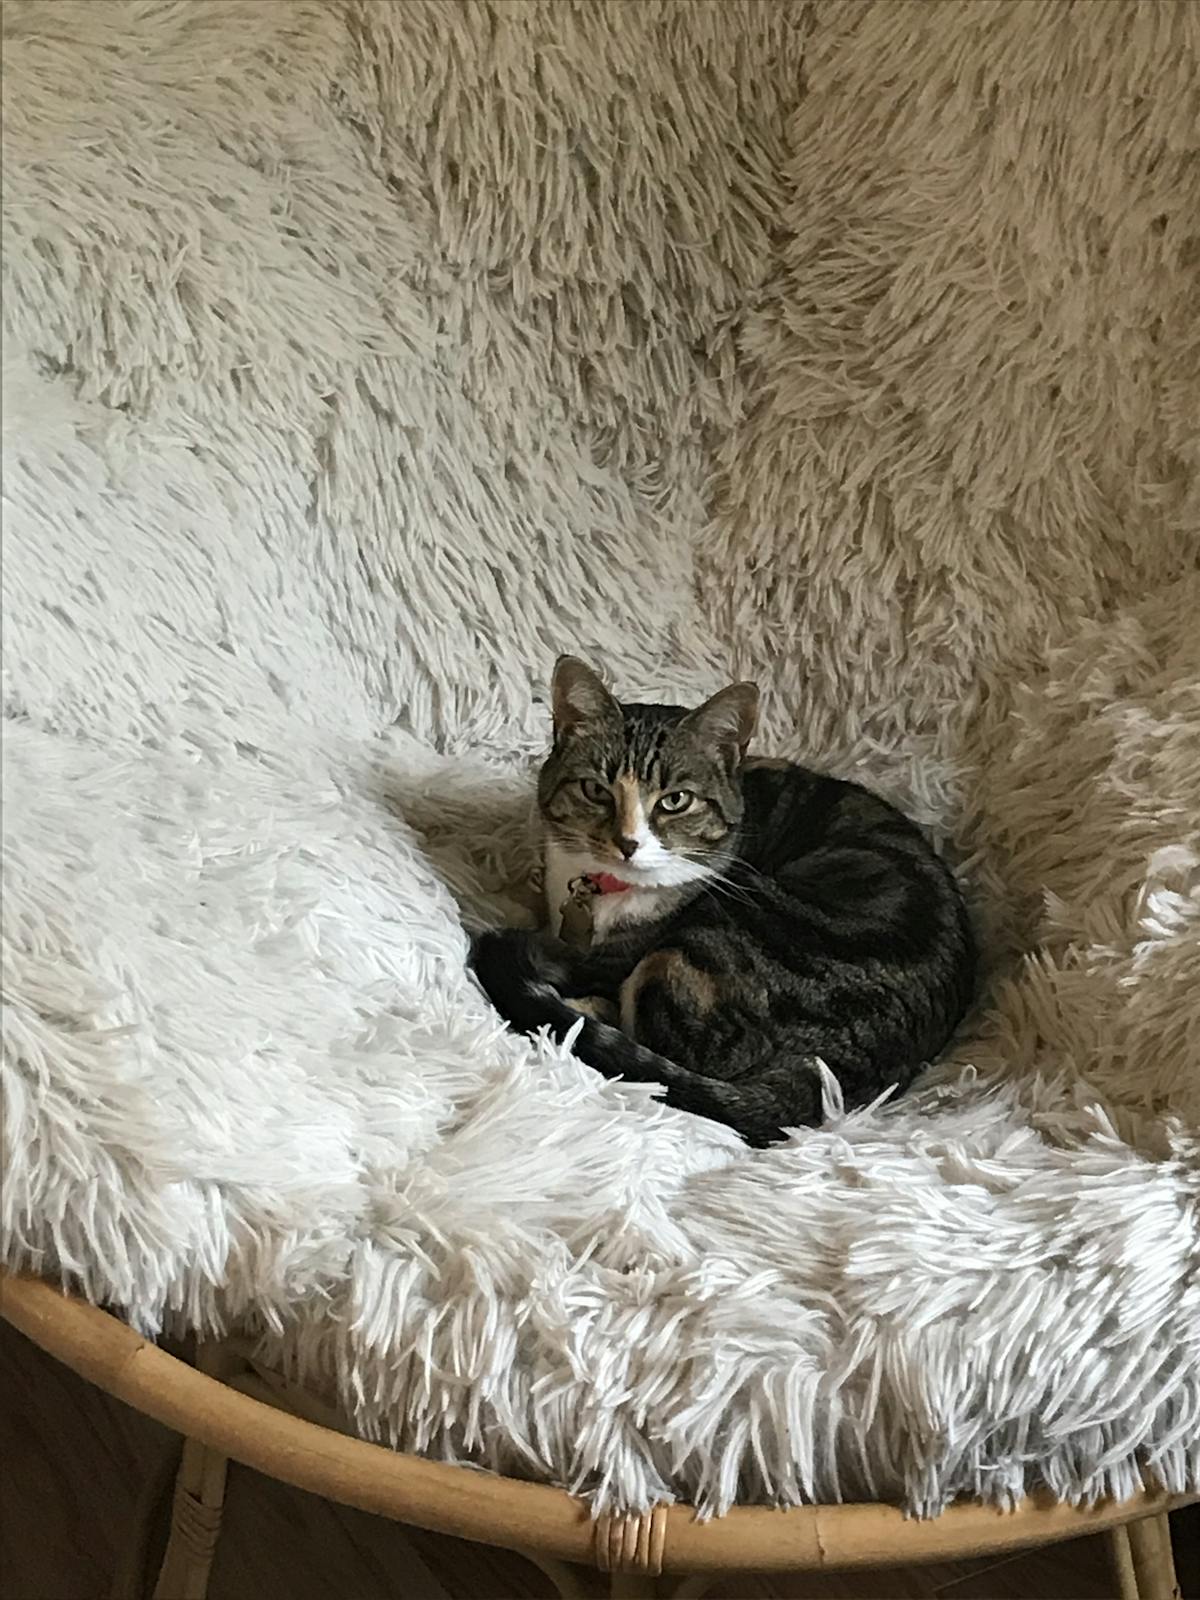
722, 922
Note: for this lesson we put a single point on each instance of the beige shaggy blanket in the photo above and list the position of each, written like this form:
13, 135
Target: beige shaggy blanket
360, 357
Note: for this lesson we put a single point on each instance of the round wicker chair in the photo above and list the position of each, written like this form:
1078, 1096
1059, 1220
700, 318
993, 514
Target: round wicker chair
227, 1407
848, 334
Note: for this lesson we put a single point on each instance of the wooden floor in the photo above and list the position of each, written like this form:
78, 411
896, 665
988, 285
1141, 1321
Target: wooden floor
72, 1462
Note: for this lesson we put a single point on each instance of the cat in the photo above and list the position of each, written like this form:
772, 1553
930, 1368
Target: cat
722, 922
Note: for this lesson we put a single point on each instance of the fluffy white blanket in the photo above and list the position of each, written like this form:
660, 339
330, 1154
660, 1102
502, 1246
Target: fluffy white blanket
360, 357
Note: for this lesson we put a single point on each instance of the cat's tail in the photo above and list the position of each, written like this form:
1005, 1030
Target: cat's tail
520, 976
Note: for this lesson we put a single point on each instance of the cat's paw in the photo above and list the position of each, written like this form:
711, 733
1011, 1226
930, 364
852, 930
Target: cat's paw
596, 1007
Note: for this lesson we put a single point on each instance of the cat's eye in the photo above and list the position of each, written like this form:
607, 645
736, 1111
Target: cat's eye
593, 791
678, 800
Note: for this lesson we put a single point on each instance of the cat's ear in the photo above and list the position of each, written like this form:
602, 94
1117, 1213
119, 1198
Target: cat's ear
726, 722
578, 698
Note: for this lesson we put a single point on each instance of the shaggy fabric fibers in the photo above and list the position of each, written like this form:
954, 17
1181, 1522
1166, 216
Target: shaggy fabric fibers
359, 357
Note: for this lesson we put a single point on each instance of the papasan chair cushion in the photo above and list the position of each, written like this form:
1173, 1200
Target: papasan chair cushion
359, 358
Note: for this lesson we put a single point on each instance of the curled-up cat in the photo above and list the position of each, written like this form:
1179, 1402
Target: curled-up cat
724, 922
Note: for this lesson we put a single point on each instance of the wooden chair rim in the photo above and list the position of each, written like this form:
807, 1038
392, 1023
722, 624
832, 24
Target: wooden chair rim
489, 1509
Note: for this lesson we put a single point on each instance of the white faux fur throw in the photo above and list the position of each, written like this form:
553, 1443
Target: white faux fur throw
359, 358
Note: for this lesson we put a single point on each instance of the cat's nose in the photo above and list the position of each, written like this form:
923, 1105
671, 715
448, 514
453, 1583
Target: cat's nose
627, 847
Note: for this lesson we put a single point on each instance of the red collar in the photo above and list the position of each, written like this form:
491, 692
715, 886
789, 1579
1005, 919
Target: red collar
607, 884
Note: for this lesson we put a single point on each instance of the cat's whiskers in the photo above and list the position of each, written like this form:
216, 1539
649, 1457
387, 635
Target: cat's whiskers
730, 890
720, 882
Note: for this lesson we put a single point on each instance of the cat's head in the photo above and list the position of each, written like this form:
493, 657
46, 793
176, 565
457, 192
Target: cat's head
652, 794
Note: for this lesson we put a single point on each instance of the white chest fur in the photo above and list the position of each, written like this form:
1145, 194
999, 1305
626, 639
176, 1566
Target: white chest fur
641, 903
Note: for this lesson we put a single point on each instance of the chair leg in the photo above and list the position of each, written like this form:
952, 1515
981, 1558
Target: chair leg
1153, 1559
195, 1523
1143, 1560
199, 1501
